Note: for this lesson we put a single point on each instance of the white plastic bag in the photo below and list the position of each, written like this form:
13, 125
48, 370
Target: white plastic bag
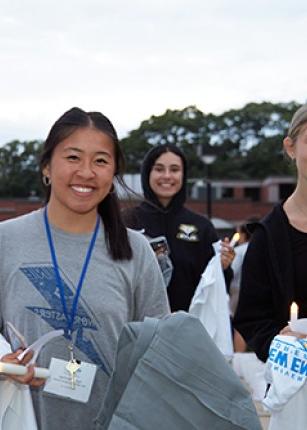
16, 409
286, 373
210, 304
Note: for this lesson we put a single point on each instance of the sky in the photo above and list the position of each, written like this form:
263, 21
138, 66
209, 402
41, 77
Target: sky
137, 58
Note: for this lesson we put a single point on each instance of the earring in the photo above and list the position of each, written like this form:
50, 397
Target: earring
46, 181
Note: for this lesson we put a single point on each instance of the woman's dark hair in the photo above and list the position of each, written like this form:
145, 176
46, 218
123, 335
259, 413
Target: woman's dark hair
116, 233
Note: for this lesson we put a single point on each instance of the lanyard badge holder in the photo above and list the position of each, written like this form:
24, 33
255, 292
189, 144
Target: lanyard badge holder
71, 379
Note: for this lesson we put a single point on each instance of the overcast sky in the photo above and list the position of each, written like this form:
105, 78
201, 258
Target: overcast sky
133, 59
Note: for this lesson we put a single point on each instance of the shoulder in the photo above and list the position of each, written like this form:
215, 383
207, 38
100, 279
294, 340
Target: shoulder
21, 223
143, 254
276, 214
272, 227
138, 241
265, 232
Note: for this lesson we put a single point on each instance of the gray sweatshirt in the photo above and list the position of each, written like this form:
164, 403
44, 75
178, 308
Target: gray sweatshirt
113, 293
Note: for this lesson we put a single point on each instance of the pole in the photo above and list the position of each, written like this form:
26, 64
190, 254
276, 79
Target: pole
209, 199
209, 192
208, 160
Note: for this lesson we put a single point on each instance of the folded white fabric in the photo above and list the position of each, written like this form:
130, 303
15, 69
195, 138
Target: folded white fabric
16, 409
286, 370
211, 304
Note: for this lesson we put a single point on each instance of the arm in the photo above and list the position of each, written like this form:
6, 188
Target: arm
28, 378
258, 317
7, 356
227, 256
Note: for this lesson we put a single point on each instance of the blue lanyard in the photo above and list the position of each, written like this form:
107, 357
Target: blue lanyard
69, 318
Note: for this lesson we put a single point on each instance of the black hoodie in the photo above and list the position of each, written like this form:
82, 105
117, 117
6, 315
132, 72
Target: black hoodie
267, 284
189, 235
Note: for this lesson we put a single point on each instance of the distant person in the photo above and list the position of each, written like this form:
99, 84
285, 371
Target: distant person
189, 235
236, 265
73, 265
275, 270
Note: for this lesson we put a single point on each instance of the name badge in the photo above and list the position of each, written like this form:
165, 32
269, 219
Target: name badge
60, 382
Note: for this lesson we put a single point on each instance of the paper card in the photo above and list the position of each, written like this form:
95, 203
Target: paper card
39, 343
59, 382
17, 340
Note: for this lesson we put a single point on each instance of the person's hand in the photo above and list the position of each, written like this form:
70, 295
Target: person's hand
286, 331
227, 253
28, 378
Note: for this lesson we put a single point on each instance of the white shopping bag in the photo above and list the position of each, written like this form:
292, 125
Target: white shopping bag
16, 409
210, 304
286, 372
248, 367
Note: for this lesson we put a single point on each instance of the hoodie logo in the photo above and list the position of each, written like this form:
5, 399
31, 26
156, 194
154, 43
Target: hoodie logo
187, 232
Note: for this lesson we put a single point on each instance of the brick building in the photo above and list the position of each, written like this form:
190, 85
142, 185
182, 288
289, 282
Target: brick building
232, 200
237, 200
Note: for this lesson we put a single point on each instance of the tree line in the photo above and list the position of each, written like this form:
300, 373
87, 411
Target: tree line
247, 143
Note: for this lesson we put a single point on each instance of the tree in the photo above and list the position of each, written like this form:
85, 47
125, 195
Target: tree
180, 127
246, 141
19, 170
249, 140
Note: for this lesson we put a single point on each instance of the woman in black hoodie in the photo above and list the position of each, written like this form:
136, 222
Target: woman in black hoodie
189, 235
274, 270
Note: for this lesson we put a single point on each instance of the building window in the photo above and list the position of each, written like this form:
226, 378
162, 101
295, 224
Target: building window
227, 193
252, 193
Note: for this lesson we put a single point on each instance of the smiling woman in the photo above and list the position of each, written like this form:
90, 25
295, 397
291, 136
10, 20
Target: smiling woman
73, 265
162, 215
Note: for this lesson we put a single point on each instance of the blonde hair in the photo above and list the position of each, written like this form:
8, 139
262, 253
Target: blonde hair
299, 120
